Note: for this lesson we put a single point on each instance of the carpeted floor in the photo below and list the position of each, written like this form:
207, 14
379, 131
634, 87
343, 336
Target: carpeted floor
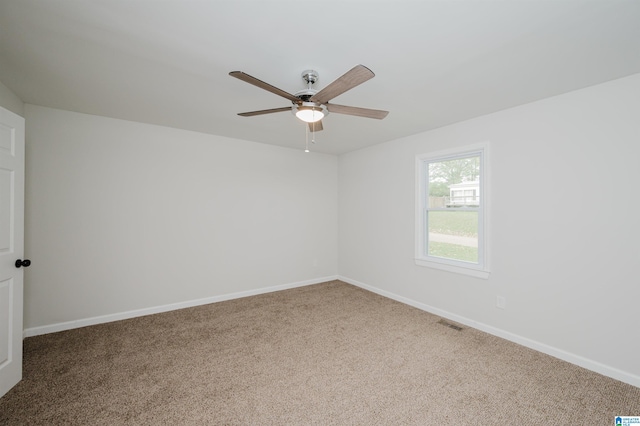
327, 354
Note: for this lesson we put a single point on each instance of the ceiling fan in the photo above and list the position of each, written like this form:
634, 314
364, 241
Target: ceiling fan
311, 105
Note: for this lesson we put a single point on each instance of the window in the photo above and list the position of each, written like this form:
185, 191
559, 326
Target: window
451, 207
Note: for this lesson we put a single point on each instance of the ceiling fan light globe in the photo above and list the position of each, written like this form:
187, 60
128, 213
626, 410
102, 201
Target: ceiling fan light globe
309, 115
310, 112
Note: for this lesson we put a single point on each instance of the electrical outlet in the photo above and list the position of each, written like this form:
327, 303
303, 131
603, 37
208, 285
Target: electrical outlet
501, 302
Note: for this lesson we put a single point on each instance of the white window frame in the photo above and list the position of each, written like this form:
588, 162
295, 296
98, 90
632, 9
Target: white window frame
422, 258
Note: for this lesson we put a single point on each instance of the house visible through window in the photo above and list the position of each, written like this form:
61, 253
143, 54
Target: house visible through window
450, 216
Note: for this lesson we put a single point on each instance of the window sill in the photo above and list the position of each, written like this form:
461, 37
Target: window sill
473, 272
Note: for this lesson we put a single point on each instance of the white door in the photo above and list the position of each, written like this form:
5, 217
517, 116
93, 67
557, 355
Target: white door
11, 247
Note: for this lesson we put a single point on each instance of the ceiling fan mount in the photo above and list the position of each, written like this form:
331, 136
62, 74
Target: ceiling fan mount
310, 76
311, 105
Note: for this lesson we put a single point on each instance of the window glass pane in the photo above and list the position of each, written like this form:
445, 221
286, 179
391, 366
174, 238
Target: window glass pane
454, 183
453, 234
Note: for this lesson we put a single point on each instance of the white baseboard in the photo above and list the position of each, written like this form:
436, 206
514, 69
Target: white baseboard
595, 366
62, 326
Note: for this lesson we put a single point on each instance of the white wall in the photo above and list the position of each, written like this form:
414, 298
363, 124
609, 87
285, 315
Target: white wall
565, 227
124, 216
11, 101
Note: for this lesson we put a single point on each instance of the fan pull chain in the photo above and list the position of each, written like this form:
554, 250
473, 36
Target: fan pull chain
306, 134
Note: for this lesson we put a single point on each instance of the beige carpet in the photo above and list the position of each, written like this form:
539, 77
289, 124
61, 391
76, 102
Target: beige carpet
327, 354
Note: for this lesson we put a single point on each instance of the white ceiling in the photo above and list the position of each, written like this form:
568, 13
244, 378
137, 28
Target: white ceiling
166, 62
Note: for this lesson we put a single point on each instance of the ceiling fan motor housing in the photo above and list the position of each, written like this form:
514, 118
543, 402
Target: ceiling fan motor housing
305, 94
310, 77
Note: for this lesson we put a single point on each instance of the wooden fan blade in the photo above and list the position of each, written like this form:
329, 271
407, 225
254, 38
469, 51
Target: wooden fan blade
261, 84
264, 111
315, 127
355, 76
360, 112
